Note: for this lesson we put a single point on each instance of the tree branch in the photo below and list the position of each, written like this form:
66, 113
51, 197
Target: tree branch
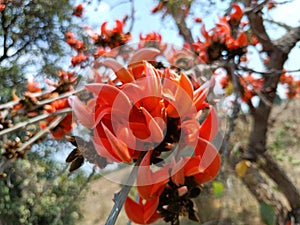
34, 120
256, 23
276, 173
121, 196
41, 133
289, 40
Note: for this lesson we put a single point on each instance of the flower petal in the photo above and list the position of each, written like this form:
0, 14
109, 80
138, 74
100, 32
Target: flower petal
121, 72
151, 184
147, 54
142, 214
156, 134
118, 146
134, 211
209, 127
210, 161
178, 172
81, 111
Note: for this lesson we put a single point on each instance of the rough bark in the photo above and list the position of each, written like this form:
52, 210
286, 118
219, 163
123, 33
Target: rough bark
258, 186
277, 174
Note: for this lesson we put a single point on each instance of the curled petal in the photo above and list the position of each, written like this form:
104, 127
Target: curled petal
186, 84
114, 98
205, 33
141, 213
118, 146
237, 14
82, 112
200, 95
121, 72
147, 54
206, 163
119, 27
181, 99
209, 127
104, 149
103, 28
156, 131
151, 184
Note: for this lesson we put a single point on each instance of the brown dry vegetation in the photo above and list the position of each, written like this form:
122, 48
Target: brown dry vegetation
236, 206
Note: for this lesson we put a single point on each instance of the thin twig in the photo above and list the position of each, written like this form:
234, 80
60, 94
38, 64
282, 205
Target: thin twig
34, 120
283, 25
121, 196
270, 72
11, 104
65, 95
42, 132
256, 8
132, 16
53, 124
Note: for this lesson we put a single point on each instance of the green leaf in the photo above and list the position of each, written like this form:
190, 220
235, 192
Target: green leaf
218, 188
267, 213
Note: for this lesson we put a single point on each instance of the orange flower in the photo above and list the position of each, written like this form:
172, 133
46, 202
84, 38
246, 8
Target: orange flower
32, 86
142, 212
147, 109
78, 10
2, 7
137, 112
152, 40
198, 20
78, 59
237, 14
65, 126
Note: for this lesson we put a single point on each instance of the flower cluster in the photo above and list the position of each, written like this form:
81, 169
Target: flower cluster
152, 40
2, 7
157, 111
78, 10
250, 86
220, 41
109, 37
78, 46
292, 85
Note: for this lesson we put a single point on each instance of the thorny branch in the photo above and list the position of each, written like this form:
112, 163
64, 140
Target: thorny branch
121, 196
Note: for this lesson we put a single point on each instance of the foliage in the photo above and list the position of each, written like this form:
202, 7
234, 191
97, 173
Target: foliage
33, 193
27, 33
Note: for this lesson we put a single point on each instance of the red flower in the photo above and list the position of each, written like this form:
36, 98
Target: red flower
78, 59
152, 40
65, 126
32, 86
123, 120
237, 14
142, 212
147, 109
2, 7
78, 10
198, 20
